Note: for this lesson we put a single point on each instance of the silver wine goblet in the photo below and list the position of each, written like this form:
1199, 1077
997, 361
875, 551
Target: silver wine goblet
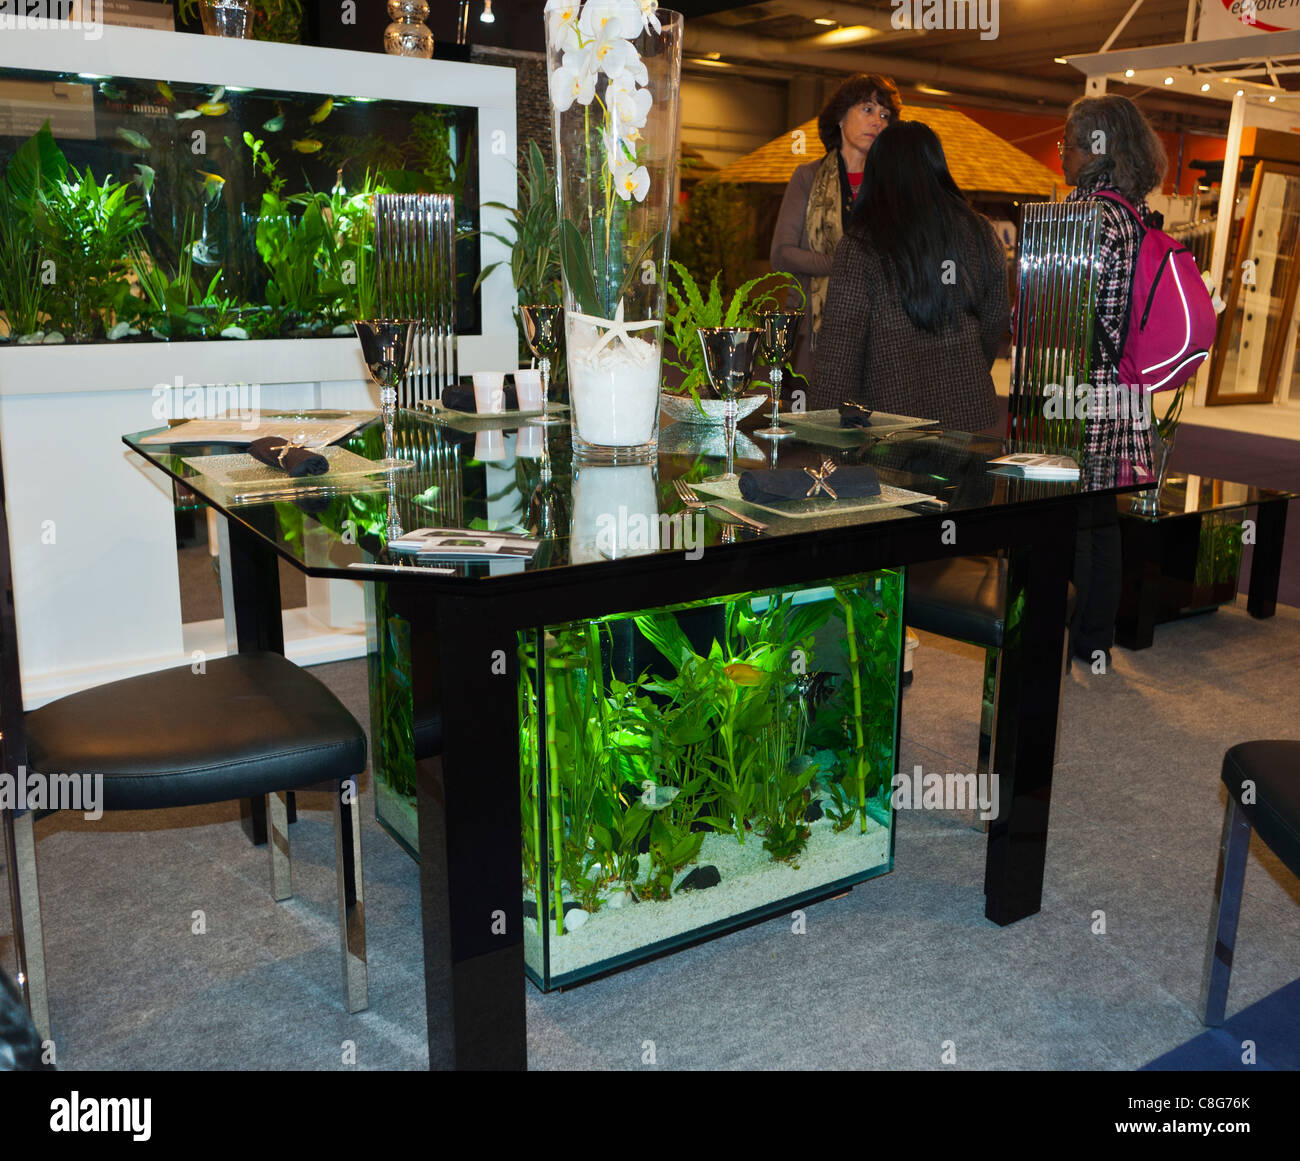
542, 330
729, 354
780, 327
386, 349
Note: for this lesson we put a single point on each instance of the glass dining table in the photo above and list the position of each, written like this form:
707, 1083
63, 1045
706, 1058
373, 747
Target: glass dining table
530, 712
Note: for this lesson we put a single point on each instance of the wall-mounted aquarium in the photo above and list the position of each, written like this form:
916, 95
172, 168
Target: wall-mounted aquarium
139, 210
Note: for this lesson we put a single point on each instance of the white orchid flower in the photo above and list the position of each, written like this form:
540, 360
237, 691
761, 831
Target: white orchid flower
630, 106
574, 80
612, 54
619, 151
618, 17
631, 181
649, 19
562, 20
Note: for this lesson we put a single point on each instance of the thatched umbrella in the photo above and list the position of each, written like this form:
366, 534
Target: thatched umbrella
983, 164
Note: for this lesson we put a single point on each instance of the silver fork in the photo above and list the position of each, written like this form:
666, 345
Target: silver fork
696, 503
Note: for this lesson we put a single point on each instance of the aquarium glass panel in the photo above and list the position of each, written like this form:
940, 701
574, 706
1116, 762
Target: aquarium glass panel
691, 768
153, 209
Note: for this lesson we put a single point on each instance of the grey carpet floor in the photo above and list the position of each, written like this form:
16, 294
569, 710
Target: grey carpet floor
1106, 976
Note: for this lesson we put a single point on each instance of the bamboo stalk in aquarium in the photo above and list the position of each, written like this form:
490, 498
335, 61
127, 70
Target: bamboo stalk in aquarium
859, 758
554, 805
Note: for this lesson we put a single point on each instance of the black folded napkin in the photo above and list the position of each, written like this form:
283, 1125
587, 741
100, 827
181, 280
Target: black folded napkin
297, 461
796, 483
462, 398
854, 415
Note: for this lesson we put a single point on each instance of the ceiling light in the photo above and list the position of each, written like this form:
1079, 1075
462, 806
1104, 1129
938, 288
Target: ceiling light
1205, 88
1241, 92
713, 56
1128, 72
825, 20
486, 16
1169, 80
931, 91
1061, 60
1271, 100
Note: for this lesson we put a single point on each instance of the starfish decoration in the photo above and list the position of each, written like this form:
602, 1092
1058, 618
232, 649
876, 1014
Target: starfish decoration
819, 478
617, 328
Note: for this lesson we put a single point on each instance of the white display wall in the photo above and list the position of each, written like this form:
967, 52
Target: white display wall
93, 536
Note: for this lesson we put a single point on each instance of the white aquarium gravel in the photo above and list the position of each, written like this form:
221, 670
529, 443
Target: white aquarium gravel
750, 879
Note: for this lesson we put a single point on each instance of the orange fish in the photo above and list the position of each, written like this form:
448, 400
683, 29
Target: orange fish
743, 674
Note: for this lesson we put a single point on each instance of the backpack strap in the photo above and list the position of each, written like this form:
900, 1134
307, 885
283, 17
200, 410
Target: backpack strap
1102, 339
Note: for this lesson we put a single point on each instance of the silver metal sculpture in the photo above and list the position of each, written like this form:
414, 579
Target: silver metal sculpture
415, 278
1055, 306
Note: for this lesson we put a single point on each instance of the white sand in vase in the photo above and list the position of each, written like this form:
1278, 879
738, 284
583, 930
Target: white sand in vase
750, 879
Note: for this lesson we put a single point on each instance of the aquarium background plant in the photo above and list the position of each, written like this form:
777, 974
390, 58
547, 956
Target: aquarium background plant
198, 211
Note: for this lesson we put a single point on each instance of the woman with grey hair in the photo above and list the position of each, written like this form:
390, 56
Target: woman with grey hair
1109, 148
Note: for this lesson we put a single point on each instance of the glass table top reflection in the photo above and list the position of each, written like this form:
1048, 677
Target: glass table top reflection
515, 477
1187, 495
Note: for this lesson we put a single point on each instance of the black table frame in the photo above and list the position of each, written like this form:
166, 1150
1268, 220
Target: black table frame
470, 835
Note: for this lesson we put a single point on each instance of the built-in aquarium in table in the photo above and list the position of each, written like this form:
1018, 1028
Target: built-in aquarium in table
687, 768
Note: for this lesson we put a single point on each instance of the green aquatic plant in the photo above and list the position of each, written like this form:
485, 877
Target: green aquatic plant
621, 781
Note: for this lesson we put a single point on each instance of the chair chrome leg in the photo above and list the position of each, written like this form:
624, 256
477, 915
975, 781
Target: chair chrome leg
277, 843
1231, 874
352, 905
29, 934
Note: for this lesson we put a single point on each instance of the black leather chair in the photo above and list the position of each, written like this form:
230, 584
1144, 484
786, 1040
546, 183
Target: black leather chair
242, 726
1271, 771
965, 598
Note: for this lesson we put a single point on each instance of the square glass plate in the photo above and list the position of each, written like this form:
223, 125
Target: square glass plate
890, 497
473, 421
824, 426
243, 473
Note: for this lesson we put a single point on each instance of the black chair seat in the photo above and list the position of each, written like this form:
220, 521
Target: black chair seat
249, 724
962, 597
1274, 768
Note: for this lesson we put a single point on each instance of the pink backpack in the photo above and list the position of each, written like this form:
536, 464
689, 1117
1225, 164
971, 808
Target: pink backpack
1171, 323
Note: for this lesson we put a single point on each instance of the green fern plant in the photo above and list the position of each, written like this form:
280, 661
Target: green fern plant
692, 310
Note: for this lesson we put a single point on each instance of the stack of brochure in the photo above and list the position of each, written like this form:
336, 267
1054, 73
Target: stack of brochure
462, 544
1037, 467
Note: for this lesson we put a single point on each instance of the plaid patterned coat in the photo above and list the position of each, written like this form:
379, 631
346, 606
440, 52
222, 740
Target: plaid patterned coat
1113, 437
868, 350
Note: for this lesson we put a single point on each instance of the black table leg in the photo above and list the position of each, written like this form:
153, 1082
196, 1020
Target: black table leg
1029, 698
471, 894
250, 600
1135, 625
1266, 557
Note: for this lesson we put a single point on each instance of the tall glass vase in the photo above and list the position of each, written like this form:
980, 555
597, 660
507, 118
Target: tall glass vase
614, 69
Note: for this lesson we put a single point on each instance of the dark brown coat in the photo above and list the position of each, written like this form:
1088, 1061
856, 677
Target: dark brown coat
869, 351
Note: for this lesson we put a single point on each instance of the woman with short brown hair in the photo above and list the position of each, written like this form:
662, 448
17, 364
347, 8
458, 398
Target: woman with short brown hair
821, 194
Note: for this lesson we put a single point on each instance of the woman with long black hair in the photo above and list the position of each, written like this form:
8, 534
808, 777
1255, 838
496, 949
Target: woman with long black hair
917, 304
